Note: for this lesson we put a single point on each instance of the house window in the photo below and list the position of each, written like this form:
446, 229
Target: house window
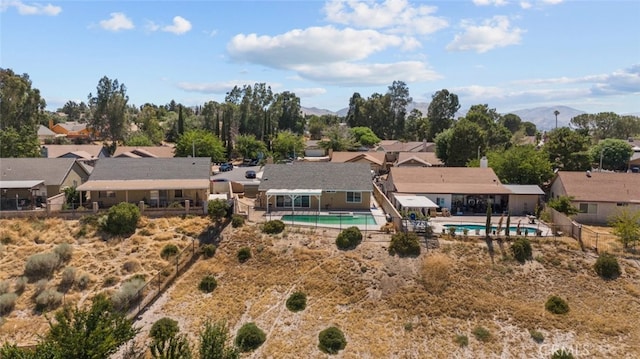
622, 204
589, 208
300, 201
178, 193
106, 194
440, 201
354, 197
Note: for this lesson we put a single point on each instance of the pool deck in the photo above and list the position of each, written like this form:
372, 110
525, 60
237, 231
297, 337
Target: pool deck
439, 222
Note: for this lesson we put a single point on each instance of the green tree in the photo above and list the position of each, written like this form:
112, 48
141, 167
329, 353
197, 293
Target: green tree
180, 121
249, 337
338, 138
568, 149
512, 122
441, 112
202, 144
615, 154
213, 342
249, 147
520, 165
163, 329
416, 126
109, 109
331, 340
287, 144
529, 128
365, 136
21, 112
356, 116
217, 209
91, 334
563, 204
626, 225
122, 219
286, 109
459, 144
174, 347
400, 99
139, 139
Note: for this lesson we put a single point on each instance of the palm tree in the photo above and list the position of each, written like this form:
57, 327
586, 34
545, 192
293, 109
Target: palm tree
556, 112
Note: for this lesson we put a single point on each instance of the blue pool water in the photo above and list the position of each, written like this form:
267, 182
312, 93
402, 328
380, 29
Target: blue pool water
472, 229
355, 219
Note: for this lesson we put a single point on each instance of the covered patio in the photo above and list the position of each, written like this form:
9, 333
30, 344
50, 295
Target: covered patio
415, 203
293, 197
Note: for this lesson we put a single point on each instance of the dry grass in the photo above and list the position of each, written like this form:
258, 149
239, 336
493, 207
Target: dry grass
373, 297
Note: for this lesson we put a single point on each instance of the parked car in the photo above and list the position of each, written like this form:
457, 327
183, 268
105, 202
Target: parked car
226, 167
250, 174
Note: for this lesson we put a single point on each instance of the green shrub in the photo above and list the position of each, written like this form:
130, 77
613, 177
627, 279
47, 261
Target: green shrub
249, 337
83, 281
122, 219
404, 244
349, 238
175, 205
462, 340
556, 305
237, 221
64, 250
607, 266
244, 254
297, 302
208, 284
40, 287
7, 302
110, 281
209, 250
481, 333
521, 249
163, 329
129, 293
331, 340
168, 251
218, 209
41, 265
536, 336
562, 354
273, 227
49, 299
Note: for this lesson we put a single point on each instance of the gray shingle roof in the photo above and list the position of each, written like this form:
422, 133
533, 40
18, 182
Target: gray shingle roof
123, 169
52, 171
324, 175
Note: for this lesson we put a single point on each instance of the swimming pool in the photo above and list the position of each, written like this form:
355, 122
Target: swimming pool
472, 229
334, 219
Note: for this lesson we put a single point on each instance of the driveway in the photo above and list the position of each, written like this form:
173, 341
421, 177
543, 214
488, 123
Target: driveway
237, 174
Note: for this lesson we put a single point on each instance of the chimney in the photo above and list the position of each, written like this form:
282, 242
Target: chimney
50, 123
484, 162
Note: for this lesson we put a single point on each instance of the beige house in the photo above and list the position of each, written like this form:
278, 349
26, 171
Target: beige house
32, 180
376, 160
144, 151
158, 182
598, 195
322, 186
418, 159
462, 190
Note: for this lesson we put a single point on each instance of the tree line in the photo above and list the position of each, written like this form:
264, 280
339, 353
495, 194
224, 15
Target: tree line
253, 121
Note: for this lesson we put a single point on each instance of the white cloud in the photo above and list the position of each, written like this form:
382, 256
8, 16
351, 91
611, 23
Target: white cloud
31, 9
490, 2
552, 2
151, 26
352, 74
118, 21
314, 45
309, 92
180, 26
391, 15
493, 33
525, 4
218, 87
619, 81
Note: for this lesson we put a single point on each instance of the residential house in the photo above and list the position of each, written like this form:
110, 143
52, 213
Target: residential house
376, 160
524, 199
45, 134
461, 190
322, 186
144, 151
313, 149
159, 182
418, 159
32, 180
80, 152
598, 195
392, 148
72, 130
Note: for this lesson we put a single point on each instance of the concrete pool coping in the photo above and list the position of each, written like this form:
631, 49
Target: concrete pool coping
438, 223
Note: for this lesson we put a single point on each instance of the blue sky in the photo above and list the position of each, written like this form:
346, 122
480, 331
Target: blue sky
510, 55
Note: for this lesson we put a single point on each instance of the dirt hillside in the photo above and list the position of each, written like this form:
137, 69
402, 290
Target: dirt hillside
388, 307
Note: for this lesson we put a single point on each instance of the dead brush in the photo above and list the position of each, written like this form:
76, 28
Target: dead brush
436, 273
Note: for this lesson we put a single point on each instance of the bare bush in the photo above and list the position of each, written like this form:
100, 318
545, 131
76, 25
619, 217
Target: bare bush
41, 265
40, 287
68, 278
83, 281
129, 293
131, 266
48, 300
4, 287
7, 302
436, 273
64, 251
20, 285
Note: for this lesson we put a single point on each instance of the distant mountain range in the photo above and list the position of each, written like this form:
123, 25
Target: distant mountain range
543, 117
